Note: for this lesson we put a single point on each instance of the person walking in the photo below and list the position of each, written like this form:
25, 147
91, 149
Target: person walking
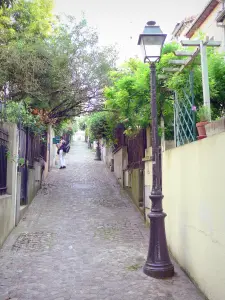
61, 152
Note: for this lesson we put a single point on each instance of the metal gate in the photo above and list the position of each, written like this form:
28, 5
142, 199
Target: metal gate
136, 150
3, 160
23, 145
185, 115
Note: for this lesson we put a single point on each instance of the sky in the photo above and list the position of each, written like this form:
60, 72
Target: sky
121, 21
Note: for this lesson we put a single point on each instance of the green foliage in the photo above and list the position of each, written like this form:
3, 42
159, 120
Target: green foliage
216, 69
101, 125
15, 158
19, 113
6, 3
26, 20
56, 63
82, 122
203, 114
169, 48
64, 127
128, 94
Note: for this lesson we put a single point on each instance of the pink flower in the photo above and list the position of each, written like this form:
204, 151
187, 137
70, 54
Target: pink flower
193, 108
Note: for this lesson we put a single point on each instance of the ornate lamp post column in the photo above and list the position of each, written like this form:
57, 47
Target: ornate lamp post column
158, 264
98, 152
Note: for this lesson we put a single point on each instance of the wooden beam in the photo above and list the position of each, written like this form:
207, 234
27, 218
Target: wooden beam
213, 44
184, 53
171, 69
178, 62
162, 76
190, 43
190, 59
197, 43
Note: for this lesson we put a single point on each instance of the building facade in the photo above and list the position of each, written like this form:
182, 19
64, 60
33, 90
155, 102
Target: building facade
210, 22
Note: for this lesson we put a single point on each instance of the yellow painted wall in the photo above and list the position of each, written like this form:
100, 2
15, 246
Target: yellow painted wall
194, 190
137, 186
7, 221
120, 164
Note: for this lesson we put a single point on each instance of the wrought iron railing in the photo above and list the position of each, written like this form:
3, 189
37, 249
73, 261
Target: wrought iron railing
32, 147
3, 161
136, 146
39, 147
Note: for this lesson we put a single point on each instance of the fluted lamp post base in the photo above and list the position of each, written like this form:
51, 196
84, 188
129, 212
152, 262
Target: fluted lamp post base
159, 272
158, 264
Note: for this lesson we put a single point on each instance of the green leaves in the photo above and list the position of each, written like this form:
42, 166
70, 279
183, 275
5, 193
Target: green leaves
128, 94
6, 3
57, 63
19, 112
101, 125
25, 20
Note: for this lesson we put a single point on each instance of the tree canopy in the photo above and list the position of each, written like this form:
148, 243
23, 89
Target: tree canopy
6, 3
51, 64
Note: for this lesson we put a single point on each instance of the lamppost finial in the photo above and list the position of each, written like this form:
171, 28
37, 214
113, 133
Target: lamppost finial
151, 23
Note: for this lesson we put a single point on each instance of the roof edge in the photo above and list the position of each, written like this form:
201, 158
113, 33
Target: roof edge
211, 5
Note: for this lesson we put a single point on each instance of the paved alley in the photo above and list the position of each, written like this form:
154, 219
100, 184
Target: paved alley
83, 239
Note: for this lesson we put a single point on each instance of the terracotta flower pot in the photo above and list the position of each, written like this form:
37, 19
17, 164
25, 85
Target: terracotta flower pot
201, 128
35, 111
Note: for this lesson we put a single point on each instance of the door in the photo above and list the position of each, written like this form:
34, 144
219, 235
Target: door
23, 165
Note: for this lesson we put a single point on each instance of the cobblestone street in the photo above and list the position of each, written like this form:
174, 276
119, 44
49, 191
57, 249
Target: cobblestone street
83, 239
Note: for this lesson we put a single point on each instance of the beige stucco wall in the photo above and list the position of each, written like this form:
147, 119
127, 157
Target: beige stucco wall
194, 190
107, 155
34, 182
7, 220
8, 202
120, 164
134, 183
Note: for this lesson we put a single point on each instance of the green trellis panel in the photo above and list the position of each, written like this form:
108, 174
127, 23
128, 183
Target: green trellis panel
184, 115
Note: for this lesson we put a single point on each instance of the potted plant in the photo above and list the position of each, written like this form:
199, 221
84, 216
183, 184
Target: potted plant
203, 116
35, 111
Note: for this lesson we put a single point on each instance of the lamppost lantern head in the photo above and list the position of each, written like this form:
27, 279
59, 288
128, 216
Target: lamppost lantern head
151, 41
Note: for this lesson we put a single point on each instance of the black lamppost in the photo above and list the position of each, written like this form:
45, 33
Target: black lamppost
158, 264
98, 152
